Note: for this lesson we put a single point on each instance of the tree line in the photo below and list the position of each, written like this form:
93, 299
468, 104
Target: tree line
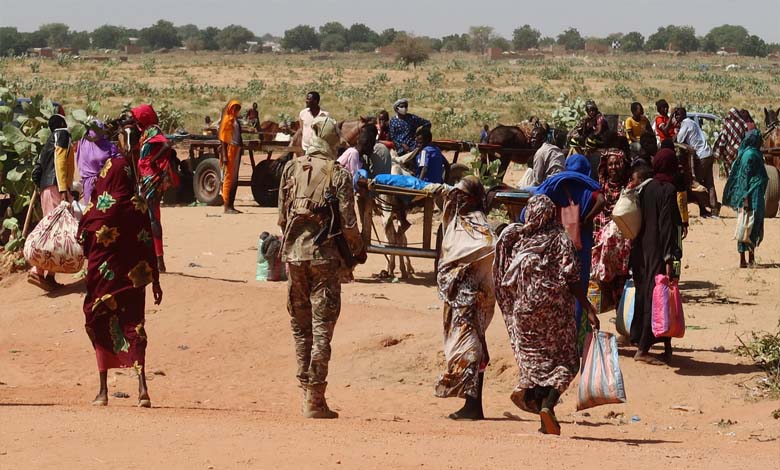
336, 37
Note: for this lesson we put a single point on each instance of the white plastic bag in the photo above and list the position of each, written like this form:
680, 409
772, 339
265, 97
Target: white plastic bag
52, 245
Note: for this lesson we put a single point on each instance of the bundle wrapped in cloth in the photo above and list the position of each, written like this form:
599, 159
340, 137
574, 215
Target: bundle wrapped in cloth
52, 245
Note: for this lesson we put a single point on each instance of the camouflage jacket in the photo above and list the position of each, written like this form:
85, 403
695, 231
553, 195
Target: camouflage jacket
303, 186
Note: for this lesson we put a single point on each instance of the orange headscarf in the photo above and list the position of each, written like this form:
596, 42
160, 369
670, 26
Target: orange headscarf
229, 121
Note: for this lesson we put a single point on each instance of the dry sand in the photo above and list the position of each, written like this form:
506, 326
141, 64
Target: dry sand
223, 373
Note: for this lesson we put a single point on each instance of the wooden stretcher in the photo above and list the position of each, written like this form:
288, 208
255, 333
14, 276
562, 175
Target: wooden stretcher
366, 204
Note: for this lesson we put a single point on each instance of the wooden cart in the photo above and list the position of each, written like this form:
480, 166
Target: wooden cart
202, 164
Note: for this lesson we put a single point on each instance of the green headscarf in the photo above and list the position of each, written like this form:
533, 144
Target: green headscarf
325, 139
748, 180
748, 176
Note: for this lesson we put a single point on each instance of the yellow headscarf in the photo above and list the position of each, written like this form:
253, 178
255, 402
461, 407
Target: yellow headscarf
229, 121
325, 139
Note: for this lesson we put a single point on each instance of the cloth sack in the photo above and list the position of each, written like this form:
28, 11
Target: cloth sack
745, 221
52, 245
668, 320
569, 217
601, 381
269, 259
625, 309
627, 214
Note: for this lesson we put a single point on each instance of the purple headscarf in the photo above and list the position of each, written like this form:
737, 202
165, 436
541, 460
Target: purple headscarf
94, 149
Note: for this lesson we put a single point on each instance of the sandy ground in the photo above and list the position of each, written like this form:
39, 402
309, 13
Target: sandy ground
225, 395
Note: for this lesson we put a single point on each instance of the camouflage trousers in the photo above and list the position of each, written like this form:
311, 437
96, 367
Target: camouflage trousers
314, 303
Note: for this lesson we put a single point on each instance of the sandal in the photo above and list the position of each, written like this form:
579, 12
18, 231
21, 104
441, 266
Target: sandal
550, 423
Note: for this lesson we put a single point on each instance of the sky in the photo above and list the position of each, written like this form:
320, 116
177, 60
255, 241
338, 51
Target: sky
421, 17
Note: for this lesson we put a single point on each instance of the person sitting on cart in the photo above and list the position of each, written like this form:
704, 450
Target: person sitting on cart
548, 160
430, 160
403, 127
253, 117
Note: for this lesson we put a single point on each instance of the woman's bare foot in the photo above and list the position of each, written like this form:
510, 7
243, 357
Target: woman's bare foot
143, 392
232, 210
101, 399
752, 259
647, 359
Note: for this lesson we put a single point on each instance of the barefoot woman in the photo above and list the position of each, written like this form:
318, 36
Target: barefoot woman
117, 237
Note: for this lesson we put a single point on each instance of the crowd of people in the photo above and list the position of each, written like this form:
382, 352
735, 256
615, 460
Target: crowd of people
537, 268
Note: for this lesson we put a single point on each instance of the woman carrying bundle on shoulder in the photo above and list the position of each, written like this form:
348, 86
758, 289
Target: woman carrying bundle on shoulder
465, 283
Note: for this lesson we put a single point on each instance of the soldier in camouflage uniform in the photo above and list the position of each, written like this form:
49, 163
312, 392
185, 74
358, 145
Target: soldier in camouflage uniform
314, 288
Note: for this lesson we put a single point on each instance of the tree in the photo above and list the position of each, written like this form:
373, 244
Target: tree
12, 42
359, 32
302, 38
161, 35
56, 34
412, 50
455, 42
333, 27
79, 40
387, 37
187, 31
194, 44
525, 37
571, 39
676, 38
109, 37
724, 36
500, 43
546, 41
753, 46
234, 37
632, 42
209, 38
333, 43
479, 37
436, 44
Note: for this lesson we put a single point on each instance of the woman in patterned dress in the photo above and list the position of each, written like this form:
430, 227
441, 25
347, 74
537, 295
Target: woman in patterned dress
116, 234
466, 286
537, 278
611, 251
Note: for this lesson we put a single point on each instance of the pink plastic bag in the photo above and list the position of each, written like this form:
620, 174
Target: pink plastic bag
668, 319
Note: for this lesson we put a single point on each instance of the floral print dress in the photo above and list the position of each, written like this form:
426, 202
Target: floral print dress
116, 234
535, 264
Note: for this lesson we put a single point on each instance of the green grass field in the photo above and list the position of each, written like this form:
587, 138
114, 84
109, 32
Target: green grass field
458, 92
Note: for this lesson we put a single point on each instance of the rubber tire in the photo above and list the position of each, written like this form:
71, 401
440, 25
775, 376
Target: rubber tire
456, 173
772, 194
207, 183
265, 185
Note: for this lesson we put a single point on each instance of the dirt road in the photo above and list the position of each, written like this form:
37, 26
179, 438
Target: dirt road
223, 387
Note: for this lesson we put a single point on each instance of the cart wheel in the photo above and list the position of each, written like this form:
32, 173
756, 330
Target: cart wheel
265, 181
207, 183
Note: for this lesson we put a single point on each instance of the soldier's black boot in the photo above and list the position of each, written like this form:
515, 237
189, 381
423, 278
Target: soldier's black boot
472, 410
315, 405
